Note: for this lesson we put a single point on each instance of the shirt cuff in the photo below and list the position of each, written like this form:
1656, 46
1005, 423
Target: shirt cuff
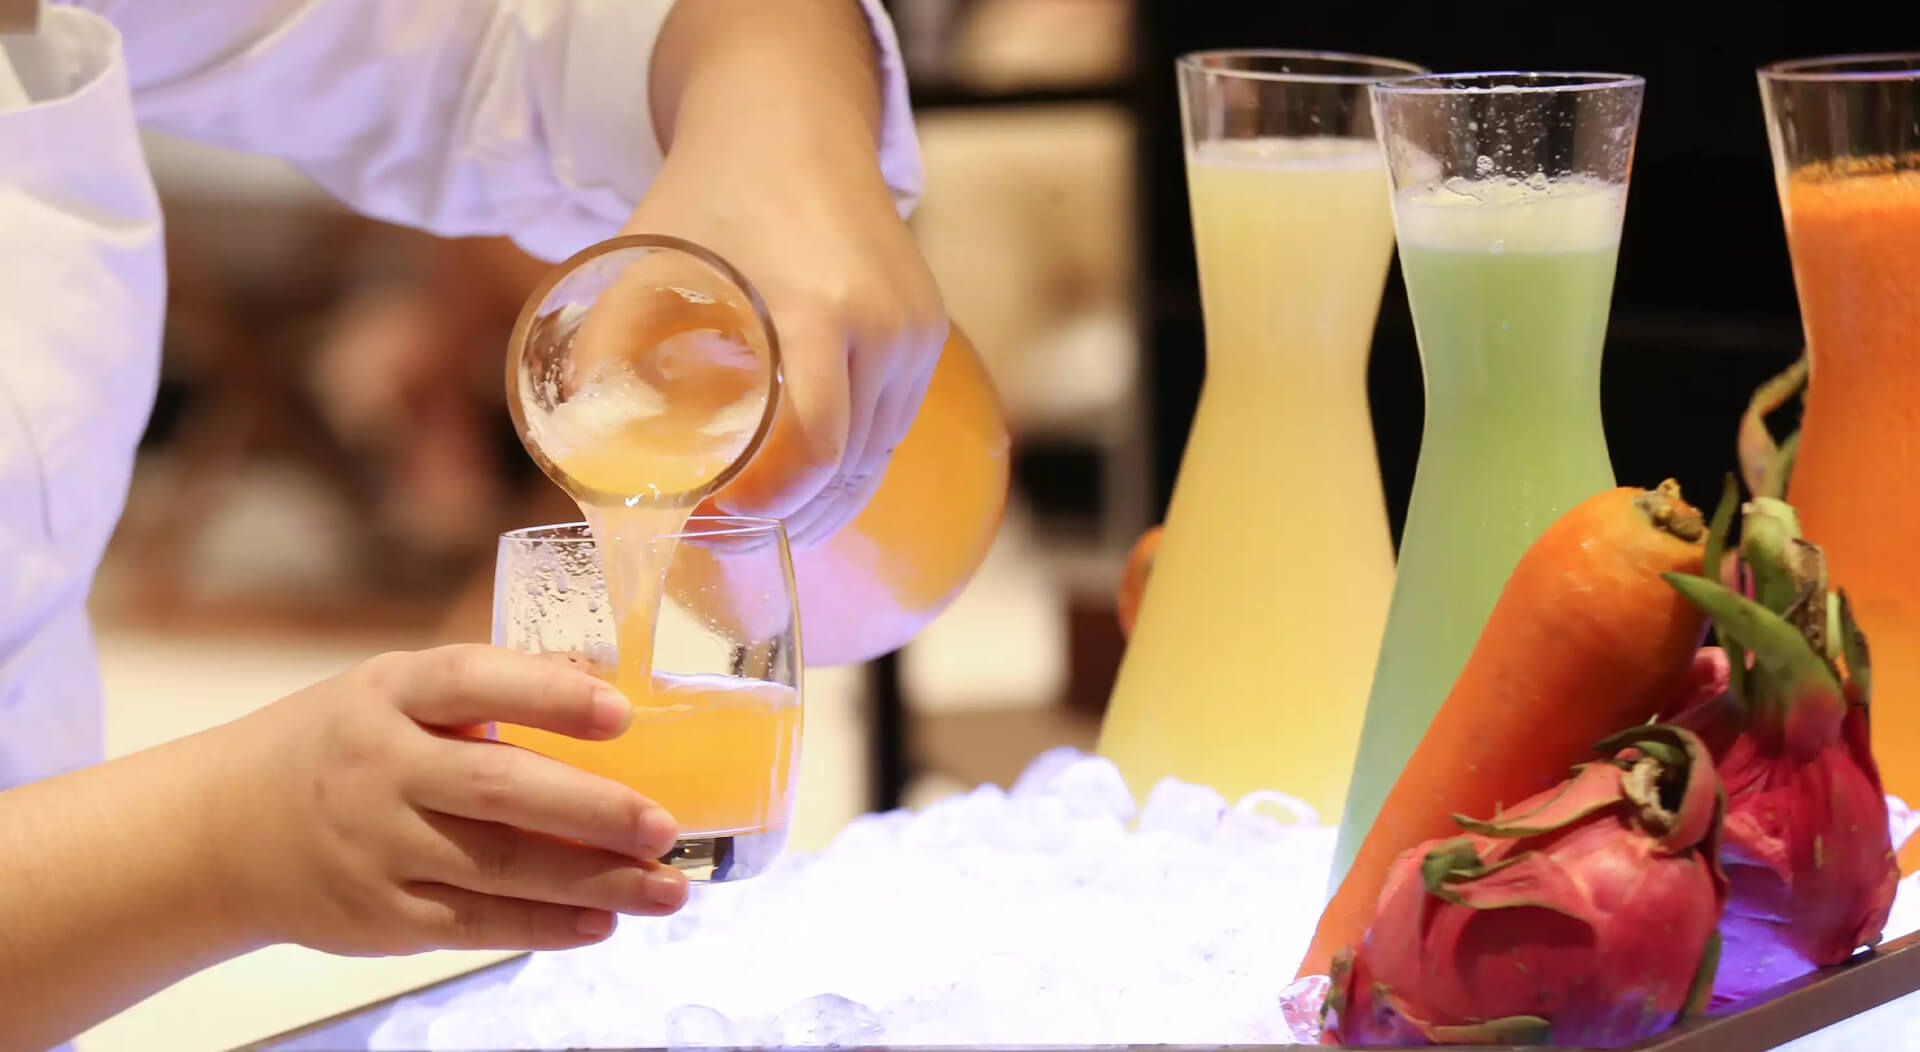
899, 146
605, 151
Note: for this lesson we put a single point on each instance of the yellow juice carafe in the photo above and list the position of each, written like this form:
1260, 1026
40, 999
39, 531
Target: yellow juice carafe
1252, 652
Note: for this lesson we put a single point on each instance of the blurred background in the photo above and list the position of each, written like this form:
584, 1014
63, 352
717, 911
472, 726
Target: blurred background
330, 459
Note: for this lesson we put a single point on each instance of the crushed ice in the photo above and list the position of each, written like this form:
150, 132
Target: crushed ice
1042, 916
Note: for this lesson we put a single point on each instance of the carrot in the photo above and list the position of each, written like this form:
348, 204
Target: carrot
1586, 639
1133, 583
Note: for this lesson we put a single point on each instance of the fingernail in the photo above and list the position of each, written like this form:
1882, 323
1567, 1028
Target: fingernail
611, 710
594, 924
666, 887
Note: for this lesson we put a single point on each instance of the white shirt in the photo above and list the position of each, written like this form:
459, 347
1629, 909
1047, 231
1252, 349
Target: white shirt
520, 117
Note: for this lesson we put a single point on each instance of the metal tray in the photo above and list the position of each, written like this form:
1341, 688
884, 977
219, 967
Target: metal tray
1793, 1010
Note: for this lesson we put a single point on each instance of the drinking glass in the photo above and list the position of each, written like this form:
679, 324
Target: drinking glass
715, 737
1508, 194
1845, 135
1250, 660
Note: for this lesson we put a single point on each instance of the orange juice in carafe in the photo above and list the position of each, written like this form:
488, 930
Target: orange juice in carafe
1846, 165
1856, 479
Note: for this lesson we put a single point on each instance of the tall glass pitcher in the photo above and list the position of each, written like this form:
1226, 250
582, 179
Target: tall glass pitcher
1508, 193
1254, 644
869, 587
1846, 152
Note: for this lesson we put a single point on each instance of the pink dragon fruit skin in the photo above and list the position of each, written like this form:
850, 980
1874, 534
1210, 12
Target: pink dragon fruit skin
1806, 847
1809, 861
1584, 916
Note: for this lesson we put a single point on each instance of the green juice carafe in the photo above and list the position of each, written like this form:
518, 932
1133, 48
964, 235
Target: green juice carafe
1508, 193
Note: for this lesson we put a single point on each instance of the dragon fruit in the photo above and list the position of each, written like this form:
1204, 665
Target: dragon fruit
1583, 916
1806, 847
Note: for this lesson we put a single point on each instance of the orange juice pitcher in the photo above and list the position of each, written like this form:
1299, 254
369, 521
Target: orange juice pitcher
872, 585
1847, 166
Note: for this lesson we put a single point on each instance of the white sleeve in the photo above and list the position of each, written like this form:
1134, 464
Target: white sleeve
81, 291
463, 117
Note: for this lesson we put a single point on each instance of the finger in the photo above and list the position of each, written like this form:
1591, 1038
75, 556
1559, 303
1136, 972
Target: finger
850, 492
907, 361
901, 403
870, 371
809, 435
501, 861
891, 423
832, 508
458, 919
495, 782
469, 683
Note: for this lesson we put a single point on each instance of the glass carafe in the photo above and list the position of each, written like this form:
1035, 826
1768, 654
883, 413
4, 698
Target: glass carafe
1249, 661
1508, 194
870, 586
1846, 151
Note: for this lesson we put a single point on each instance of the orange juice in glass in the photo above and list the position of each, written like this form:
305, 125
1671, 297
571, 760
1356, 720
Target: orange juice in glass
1845, 134
713, 678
